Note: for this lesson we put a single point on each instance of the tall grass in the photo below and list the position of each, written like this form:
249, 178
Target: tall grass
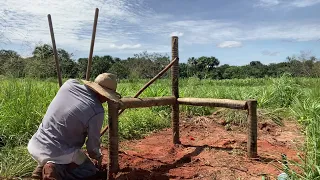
307, 112
23, 102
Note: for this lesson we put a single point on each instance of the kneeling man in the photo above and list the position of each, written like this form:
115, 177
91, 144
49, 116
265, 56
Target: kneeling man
75, 113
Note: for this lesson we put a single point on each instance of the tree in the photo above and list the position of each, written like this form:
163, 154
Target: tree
203, 66
184, 70
152, 63
42, 51
256, 69
101, 65
121, 69
15, 67
42, 64
147, 65
218, 74
7, 57
256, 64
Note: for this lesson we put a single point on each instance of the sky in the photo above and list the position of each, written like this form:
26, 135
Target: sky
234, 31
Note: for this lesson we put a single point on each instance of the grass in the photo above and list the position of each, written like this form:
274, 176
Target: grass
16, 162
23, 103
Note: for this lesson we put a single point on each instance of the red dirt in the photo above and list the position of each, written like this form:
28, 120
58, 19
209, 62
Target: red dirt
208, 151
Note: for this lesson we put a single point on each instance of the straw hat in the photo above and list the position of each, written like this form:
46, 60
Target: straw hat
105, 84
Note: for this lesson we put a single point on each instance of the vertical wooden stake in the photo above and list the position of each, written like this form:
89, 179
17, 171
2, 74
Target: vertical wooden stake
252, 128
55, 50
113, 139
92, 44
175, 90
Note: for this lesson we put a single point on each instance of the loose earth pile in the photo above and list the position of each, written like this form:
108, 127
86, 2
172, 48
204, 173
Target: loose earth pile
208, 150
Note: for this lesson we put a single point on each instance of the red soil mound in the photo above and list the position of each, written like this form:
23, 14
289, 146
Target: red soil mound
208, 151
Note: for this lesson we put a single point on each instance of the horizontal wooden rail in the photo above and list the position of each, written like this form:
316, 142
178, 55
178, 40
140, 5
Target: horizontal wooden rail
146, 102
228, 103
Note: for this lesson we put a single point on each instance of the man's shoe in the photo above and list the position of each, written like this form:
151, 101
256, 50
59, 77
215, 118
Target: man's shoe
37, 173
50, 172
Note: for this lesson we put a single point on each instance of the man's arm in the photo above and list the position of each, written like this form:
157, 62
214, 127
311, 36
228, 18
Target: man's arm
93, 141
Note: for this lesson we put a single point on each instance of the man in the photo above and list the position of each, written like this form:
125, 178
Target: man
76, 112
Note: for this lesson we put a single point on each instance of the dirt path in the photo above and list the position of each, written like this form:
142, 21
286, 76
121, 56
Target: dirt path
208, 151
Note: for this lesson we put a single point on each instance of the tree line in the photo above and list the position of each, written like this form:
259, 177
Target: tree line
146, 65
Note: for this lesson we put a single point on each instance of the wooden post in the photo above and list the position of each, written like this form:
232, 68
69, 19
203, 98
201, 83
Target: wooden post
55, 50
175, 90
252, 128
113, 139
92, 44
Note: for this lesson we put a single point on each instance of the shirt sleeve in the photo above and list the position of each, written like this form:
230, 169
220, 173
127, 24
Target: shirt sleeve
93, 141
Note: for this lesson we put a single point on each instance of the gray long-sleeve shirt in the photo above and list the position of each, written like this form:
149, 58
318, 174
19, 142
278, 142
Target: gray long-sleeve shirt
74, 114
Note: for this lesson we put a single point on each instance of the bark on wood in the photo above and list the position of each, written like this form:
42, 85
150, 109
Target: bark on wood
175, 90
227, 103
55, 50
252, 129
92, 44
146, 102
113, 139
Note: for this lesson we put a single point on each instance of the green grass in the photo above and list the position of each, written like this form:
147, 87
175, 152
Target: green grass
23, 103
16, 162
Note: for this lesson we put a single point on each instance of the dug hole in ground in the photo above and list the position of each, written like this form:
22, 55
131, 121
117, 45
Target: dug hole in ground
210, 149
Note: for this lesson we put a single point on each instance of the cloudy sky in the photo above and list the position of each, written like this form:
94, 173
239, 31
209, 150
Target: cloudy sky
234, 31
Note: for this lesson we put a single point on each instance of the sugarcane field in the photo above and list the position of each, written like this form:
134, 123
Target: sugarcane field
150, 90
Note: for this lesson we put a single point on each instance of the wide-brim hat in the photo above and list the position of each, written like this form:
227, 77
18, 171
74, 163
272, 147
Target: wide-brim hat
106, 85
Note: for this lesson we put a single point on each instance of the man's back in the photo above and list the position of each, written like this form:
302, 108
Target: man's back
66, 122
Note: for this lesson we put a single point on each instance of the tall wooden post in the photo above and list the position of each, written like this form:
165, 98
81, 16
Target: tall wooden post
252, 128
55, 53
92, 44
113, 139
175, 90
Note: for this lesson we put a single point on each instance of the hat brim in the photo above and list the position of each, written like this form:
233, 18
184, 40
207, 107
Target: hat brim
108, 93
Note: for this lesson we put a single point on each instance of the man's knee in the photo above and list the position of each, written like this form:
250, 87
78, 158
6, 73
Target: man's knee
84, 170
51, 172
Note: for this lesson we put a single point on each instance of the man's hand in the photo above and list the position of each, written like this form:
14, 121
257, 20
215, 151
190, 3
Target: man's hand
99, 162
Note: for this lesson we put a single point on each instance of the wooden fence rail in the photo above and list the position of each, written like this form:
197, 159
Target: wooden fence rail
146, 102
227, 103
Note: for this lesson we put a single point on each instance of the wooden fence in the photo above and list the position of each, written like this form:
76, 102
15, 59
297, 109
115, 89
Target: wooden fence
115, 109
174, 101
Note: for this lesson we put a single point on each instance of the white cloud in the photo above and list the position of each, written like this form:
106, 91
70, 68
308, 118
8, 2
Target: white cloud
214, 32
286, 3
25, 22
269, 53
128, 25
176, 33
268, 3
125, 46
230, 44
304, 3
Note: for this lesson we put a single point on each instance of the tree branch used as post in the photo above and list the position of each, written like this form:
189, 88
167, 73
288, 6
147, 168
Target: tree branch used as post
113, 139
92, 44
55, 50
175, 90
252, 129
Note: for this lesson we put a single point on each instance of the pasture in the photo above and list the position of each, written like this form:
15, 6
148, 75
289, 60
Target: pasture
23, 103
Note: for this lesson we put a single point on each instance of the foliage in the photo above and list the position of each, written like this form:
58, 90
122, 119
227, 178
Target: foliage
147, 65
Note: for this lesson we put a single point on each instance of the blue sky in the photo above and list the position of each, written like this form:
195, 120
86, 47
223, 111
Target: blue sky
234, 31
